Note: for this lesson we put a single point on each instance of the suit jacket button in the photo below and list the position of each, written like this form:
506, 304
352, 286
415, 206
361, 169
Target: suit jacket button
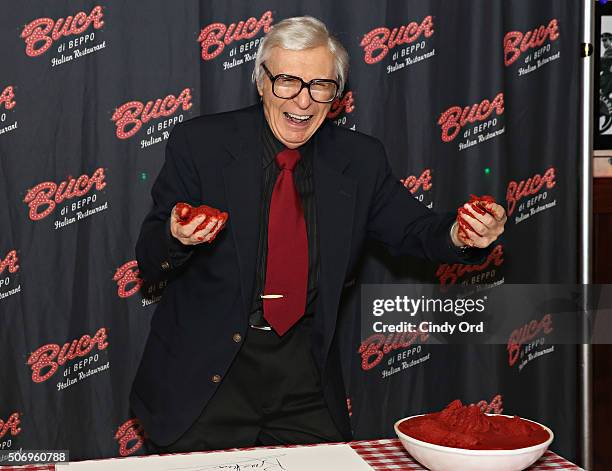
237, 337
216, 378
165, 266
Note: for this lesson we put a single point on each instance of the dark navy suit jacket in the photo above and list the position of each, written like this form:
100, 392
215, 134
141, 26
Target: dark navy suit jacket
216, 160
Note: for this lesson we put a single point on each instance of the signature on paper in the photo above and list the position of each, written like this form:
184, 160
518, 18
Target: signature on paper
264, 463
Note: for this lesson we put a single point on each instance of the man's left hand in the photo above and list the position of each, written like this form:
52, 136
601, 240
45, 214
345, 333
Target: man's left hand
486, 228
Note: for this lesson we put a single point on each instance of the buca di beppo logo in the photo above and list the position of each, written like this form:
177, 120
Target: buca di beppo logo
413, 183
525, 336
449, 274
50, 356
127, 274
7, 98
44, 197
10, 262
377, 43
130, 116
494, 407
345, 104
376, 346
40, 34
516, 42
453, 119
12, 423
214, 37
130, 431
531, 186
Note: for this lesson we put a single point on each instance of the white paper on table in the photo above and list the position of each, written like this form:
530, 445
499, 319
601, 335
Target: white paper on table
307, 458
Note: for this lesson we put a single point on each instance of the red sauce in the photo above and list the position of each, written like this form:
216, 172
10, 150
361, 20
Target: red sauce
185, 213
460, 426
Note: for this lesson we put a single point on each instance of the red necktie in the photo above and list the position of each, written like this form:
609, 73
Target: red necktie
284, 297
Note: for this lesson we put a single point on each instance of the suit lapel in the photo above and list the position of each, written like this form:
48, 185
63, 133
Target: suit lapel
335, 196
242, 178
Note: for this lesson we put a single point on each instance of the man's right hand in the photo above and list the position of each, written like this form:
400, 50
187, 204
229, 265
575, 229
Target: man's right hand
186, 233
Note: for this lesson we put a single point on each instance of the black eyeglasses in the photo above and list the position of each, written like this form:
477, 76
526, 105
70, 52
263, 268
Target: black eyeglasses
289, 86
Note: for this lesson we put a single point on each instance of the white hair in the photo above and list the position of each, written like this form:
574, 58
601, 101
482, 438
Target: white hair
299, 33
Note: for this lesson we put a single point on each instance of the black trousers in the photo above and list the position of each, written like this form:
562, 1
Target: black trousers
271, 395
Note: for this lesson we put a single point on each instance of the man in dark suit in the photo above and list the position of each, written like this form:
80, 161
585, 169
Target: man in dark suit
241, 349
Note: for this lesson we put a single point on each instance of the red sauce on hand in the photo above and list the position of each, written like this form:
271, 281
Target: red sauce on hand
185, 214
460, 426
480, 205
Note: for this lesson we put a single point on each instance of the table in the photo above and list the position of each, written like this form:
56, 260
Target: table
382, 455
386, 455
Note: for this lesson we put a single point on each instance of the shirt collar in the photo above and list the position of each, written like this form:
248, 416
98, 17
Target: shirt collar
272, 146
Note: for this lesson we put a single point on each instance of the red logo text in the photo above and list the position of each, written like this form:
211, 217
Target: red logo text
376, 346
413, 183
51, 355
531, 186
454, 118
9, 261
494, 407
449, 274
515, 42
130, 431
377, 43
127, 274
525, 335
44, 197
7, 98
12, 424
40, 34
214, 37
133, 114
344, 104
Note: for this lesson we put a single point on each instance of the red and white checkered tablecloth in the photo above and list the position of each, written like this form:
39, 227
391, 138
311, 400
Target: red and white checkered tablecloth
386, 455
381, 455
30, 467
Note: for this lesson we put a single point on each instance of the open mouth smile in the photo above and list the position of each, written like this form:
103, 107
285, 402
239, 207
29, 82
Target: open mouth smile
297, 118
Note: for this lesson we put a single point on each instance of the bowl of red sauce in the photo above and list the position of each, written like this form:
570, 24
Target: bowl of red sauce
463, 438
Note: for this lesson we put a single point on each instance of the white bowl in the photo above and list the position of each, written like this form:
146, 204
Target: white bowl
444, 458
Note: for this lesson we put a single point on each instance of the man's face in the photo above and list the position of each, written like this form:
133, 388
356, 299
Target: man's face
607, 42
315, 63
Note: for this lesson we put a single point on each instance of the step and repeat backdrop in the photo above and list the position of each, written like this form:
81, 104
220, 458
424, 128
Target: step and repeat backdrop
471, 96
